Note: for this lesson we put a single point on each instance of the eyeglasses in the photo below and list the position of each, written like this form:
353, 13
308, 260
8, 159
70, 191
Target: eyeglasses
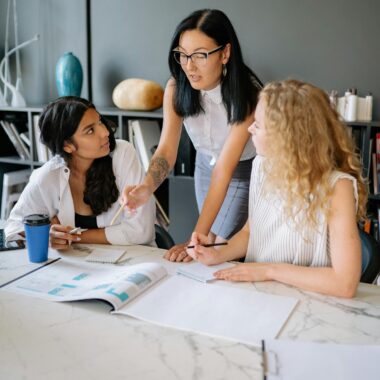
199, 58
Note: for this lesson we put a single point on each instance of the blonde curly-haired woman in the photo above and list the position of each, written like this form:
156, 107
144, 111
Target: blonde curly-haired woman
306, 195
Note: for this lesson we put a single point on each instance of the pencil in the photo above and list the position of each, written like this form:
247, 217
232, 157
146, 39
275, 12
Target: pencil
209, 245
117, 214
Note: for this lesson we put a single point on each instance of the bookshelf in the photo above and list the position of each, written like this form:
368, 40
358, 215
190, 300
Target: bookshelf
23, 120
364, 133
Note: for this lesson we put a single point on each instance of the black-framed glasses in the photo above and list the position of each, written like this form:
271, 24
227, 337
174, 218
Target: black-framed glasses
199, 58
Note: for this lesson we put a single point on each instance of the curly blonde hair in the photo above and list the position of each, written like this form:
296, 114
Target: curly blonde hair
307, 142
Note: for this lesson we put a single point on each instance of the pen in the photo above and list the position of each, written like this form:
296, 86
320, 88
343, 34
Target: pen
77, 230
208, 245
117, 214
264, 362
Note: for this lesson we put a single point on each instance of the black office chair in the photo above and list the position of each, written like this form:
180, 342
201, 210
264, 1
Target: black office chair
370, 257
163, 238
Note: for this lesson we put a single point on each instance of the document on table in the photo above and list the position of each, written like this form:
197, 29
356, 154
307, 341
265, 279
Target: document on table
146, 291
290, 360
242, 315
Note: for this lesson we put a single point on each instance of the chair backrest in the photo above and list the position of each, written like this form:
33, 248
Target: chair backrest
370, 257
163, 238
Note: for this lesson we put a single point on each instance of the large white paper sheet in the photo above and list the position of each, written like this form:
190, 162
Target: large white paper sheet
222, 311
288, 360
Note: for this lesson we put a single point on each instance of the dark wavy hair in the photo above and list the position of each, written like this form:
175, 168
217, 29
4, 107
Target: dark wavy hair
58, 122
240, 86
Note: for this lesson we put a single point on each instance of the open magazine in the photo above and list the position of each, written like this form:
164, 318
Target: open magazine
146, 291
74, 281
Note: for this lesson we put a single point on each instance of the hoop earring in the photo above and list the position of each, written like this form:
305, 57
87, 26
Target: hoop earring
224, 71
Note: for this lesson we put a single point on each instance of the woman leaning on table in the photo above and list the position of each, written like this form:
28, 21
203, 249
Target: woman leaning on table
80, 185
306, 195
214, 94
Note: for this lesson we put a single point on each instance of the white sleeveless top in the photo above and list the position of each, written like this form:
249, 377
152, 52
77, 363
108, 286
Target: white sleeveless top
273, 238
209, 130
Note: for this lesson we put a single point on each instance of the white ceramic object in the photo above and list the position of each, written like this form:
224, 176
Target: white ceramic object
17, 98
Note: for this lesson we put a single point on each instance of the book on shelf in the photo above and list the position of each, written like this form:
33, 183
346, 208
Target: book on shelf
43, 154
13, 184
149, 292
13, 135
375, 229
367, 226
26, 138
144, 135
374, 174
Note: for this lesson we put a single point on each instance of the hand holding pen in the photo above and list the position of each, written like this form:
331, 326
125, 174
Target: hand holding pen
61, 236
203, 251
208, 245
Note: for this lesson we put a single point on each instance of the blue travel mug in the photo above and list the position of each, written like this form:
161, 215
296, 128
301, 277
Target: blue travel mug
37, 227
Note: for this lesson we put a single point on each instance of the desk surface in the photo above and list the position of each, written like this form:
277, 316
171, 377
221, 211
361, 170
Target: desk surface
82, 340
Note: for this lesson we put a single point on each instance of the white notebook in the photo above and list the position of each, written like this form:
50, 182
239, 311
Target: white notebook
106, 255
201, 272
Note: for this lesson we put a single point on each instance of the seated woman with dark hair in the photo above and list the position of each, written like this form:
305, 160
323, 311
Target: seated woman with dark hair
81, 184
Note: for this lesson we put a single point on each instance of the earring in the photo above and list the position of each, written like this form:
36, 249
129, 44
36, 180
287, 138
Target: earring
224, 71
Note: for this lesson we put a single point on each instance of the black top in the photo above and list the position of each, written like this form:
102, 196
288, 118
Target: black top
85, 221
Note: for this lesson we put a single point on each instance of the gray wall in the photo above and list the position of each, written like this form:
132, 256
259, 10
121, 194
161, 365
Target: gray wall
332, 43
61, 26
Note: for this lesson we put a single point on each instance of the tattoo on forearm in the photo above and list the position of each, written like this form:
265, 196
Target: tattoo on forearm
158, 169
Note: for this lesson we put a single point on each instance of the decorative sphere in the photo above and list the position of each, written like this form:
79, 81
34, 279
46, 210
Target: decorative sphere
138, 94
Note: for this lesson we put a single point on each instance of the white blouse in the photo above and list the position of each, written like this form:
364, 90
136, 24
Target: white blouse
275, 239
209, 130
48, 192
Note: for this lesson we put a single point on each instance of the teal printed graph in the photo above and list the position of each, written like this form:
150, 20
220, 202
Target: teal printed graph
102, 286
121, 296
55, 291
139, 279
80, 276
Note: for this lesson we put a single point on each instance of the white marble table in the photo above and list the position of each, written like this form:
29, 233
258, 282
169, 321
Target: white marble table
82, 340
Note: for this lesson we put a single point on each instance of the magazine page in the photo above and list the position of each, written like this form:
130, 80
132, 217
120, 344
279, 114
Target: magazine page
72, 281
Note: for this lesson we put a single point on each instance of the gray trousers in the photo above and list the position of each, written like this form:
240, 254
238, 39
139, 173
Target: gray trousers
234, 211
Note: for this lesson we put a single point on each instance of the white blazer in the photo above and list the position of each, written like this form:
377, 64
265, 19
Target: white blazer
48, 192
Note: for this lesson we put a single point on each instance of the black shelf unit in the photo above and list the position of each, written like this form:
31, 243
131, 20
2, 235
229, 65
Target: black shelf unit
368, 130
363, 132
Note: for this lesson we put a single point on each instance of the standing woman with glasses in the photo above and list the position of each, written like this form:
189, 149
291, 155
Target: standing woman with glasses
214, 95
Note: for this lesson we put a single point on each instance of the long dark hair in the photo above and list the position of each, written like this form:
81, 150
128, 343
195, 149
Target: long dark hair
240, 86
58, 122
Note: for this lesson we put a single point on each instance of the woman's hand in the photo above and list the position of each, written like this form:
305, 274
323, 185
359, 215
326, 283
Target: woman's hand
207, 256
59, 235
178, 253
245, 272
135, 196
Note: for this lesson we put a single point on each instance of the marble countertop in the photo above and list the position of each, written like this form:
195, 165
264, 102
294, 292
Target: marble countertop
82, 340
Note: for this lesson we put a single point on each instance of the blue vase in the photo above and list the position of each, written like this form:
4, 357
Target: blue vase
69, 75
